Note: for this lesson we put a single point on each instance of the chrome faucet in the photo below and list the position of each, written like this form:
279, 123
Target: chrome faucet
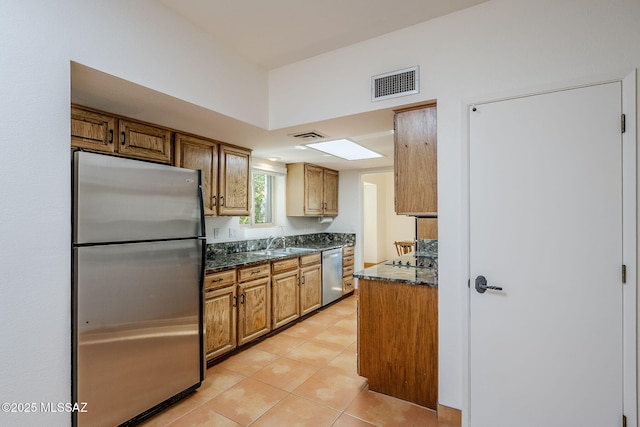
272, 239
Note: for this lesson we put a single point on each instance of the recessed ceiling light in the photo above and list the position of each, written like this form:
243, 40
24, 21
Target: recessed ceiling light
274, 159
345, 149
300, 147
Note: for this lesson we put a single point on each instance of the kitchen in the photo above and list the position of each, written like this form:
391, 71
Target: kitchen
472, 60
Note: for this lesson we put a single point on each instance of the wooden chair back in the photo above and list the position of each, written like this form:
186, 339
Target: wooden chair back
403, 247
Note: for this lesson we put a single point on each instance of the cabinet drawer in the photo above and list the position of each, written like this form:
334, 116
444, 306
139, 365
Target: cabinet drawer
284, 265
347, 270
310, 259
253, 272
348, 250
216, 280
347, 285
347, 260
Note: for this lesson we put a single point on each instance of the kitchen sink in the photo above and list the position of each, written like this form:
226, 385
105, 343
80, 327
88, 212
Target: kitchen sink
285, 251
269, 252
296, 250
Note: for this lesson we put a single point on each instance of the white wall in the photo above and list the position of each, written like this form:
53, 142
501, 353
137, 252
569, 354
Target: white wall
502, 47
370, 223
145, 43
35, 233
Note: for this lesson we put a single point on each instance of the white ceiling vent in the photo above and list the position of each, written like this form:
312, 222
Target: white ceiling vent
396, 83
308, 135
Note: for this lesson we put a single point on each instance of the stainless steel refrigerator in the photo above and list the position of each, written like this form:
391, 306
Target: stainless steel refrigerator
137, 267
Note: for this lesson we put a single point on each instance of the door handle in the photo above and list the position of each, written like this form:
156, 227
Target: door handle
481, 285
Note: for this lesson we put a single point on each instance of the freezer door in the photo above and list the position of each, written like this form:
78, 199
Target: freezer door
117, 200
138, 327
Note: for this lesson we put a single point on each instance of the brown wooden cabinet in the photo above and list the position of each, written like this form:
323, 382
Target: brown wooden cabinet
310, 283
427, 228
415, 161
311, 190
285, 292
220, 313
225, 173
254, 302
102, 132
220, 316
201, 154
347, 269
220, 321
235, 173
93, 131
398, 340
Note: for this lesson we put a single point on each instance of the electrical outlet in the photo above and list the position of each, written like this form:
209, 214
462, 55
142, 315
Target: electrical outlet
232, 233
216, 233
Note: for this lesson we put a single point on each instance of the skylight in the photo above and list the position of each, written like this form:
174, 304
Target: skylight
345, 149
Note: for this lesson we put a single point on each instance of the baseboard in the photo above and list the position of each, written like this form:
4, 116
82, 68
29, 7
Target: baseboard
449, 415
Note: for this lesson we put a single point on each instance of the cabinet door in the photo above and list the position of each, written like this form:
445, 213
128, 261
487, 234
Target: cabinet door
233, 193
427, 228
200, 154
313, 190
220, 321
415, 162
330, 192
254, 309
92, 131
310, 289
141, 141
284, 297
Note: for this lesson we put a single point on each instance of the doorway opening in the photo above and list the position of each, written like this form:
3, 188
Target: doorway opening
381, 225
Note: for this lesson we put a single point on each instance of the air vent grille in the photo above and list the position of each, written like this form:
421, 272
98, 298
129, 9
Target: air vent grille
312, 134
396, 83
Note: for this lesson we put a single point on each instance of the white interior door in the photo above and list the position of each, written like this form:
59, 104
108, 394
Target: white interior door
545, 201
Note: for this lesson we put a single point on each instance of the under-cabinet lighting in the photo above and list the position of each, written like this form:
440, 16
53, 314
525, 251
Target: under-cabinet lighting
345, 149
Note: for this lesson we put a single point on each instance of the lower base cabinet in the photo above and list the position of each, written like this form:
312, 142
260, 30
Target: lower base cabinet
246, 303
310, 287
220, 316
398, 340
284, 297
347, 269
254, 309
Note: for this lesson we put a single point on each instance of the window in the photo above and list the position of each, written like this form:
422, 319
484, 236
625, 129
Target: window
262, 191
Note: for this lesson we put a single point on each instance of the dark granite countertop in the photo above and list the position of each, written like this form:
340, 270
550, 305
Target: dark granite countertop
220, 262
422, 270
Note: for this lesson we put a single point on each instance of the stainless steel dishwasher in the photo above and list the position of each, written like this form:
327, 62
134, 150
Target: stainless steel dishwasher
331, 275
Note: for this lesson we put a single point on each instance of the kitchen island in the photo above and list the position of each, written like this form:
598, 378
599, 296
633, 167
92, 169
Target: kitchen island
398, 328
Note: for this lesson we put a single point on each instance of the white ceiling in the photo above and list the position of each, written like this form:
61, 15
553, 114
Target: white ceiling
271, 33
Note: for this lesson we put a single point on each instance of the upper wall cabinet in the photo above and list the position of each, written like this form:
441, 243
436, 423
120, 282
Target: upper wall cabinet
311, 190
201, 154
97, 131
415, 162
233, 189
225, 173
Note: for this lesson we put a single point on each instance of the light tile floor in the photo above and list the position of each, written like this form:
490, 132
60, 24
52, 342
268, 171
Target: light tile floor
304, 376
